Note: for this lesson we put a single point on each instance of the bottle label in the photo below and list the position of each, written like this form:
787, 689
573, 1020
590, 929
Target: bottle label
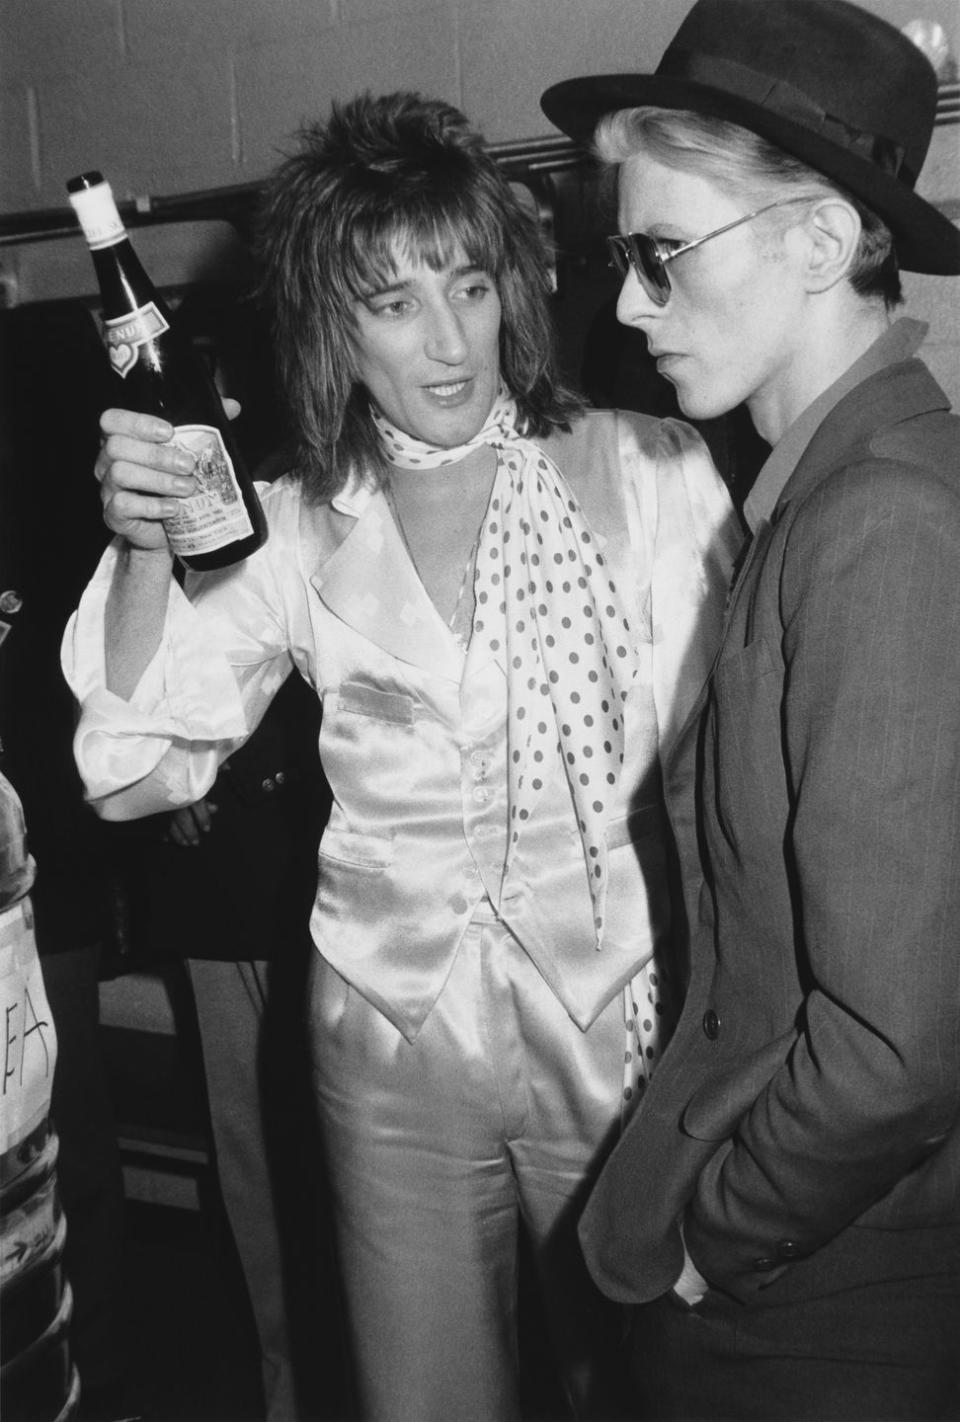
126, 334
216, 515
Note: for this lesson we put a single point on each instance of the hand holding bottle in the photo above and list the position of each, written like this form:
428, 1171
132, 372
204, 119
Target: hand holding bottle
142, 478
143, 475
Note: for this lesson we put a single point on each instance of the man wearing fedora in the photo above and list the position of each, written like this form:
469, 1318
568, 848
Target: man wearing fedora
783, 1212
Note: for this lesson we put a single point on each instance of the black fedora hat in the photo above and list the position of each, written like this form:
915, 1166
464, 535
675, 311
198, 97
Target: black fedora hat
827, 82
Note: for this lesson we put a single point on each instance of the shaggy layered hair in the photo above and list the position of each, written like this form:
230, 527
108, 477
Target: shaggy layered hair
398, 174
742, 162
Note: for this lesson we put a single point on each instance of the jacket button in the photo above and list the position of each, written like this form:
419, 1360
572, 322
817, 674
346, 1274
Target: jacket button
267, 784
764, 1266
789, 1249
711, 1025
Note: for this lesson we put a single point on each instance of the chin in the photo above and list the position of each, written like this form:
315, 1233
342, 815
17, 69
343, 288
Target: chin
462, 428
702, 404
450, 436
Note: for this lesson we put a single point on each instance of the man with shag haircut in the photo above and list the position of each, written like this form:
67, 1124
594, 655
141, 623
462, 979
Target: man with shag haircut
506, 606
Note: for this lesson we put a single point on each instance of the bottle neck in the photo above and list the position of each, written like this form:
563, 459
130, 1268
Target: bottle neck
124, 285
98, 217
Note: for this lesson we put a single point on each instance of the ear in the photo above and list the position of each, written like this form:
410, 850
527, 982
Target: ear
832, 230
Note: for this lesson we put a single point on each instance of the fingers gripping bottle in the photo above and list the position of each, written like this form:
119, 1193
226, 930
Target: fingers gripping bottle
161, 373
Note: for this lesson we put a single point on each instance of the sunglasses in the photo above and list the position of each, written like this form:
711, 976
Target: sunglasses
649, 259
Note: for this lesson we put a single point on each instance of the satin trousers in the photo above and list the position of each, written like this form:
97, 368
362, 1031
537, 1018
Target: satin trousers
502, 1110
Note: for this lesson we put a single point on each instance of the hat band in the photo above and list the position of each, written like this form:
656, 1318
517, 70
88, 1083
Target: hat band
777, 96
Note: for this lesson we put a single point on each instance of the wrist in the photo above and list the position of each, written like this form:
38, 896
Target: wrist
691, 1285
135, 561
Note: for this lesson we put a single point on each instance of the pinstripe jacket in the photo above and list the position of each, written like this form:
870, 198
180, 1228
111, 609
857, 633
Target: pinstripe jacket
805, 1120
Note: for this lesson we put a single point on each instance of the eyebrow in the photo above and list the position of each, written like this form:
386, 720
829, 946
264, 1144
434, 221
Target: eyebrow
387, 290
465, 269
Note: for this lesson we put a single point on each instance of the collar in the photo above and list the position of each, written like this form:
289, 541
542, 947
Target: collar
359, 489
355, 495
899, 342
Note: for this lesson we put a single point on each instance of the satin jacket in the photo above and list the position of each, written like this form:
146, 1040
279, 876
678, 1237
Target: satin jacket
413, 739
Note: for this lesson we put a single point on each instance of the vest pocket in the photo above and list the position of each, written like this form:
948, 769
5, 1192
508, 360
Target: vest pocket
357, 699
358, 851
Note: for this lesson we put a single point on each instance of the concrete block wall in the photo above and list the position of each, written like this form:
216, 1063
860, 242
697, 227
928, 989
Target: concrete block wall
172, 96
169, 96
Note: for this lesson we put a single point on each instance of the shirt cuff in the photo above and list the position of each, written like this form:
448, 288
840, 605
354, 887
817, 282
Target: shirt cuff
189, 694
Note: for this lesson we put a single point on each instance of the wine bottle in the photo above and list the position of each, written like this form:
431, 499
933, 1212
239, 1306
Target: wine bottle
161, 373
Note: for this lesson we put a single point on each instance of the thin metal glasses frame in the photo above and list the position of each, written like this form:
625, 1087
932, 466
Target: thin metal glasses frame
643, 253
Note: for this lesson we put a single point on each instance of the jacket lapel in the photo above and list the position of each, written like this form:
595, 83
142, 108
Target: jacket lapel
370, 583
895, 393
899, 391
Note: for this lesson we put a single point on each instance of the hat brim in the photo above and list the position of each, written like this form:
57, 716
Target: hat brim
927, 241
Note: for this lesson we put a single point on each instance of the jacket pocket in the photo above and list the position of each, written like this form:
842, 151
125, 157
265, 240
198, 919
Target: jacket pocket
715, 1109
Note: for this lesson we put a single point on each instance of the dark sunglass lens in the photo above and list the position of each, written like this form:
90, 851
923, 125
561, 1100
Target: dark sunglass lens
618, 256
649, 268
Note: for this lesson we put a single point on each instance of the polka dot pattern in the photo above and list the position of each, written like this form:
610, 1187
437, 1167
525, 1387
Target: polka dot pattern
548, 610
647, 1017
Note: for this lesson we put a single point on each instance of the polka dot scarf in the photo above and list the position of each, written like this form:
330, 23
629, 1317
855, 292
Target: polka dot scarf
549, 612
649, 1017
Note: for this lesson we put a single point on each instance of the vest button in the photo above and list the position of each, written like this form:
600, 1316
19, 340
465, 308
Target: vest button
711, 1025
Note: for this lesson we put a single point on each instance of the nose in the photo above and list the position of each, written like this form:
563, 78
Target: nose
445, 340
633, 303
